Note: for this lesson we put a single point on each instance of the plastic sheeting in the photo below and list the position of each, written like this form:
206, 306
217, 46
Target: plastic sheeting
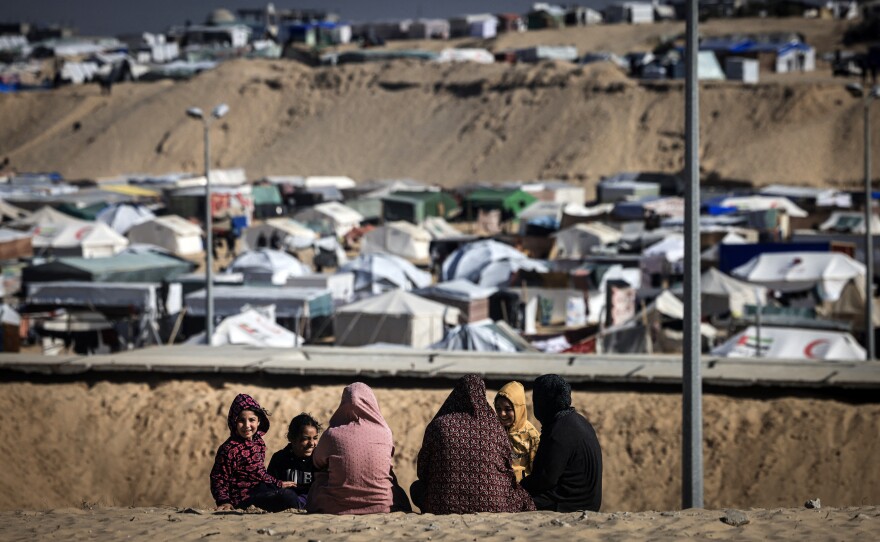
123, 216
800, 271
792, 343
267, 265
376, 273
399, 238
173, 233
487, 263
253, 328
482, 336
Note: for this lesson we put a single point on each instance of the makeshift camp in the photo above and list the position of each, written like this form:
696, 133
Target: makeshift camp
762, 203
850, 222
487, 263
791, 343
11, 213
252, 328
89, 240
15, 244
622, 189
377, 273
662, 260
416, 205
399, 238
265, 265
267, 201
578, 241
470, 299
306, 311
123, 216
118, 268
46, 217
788, 272
396, 317
483, 336
511, 202
339, 218
722, 294
173, 233
440, 229
279, 233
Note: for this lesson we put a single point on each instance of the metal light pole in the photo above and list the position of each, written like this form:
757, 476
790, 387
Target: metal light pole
196, 113
859, 91
692, 392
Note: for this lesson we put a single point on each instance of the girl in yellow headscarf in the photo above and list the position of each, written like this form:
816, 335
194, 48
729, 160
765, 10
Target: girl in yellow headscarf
510, 405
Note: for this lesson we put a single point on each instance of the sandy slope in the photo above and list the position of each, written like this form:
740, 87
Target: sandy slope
174, 524
153, 445
444, 124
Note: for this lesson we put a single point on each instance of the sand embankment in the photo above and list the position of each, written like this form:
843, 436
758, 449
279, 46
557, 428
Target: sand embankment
449, 124
130, 444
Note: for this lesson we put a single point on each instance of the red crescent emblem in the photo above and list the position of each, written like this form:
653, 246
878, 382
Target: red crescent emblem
808, 350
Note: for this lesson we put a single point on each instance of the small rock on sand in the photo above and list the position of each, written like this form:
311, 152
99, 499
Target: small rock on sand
735, 518
814, 504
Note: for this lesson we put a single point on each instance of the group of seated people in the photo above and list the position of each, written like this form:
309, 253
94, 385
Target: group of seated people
473, 458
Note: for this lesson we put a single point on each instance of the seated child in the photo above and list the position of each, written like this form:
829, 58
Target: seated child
510, 405
293, 463
239, 478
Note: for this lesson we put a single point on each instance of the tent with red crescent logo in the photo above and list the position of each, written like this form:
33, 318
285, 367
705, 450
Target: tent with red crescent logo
792, 343
86, 239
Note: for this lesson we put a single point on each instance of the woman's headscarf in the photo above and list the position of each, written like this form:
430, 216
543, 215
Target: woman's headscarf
551, 395
358, 403
465, 457
516, 394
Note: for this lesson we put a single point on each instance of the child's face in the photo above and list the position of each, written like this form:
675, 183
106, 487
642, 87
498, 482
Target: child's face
247, 424
304, 444
504, 409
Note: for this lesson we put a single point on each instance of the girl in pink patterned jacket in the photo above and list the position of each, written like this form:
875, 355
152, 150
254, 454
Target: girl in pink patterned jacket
239, 478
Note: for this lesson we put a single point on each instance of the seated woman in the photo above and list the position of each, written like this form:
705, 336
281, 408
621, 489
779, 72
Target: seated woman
464, 464
352, 461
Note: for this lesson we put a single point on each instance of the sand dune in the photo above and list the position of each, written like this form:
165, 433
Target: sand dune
448, 124
127, 444
176, 524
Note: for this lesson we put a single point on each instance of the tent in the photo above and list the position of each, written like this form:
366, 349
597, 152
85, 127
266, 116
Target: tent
122, 216
9, 212
396, 317
267, 265
46, 217
763, 203
483, 336
118, 268
376, 273
800, 271
283, 232
511, 202
577, 241
252, 328
470, 299
86, 239
417, 205
337, 216
173, 233
791, 343
722, 293
664, 258
487, 263
15, 244
850, 222
400, 238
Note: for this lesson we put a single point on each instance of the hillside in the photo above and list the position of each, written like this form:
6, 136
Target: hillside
449, 124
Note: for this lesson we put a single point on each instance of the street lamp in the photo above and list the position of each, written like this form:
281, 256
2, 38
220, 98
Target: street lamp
196, 113
868, 95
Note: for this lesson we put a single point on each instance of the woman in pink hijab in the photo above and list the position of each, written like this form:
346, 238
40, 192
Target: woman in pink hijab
353, 472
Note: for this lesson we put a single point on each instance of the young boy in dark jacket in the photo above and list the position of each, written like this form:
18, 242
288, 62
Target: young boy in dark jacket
239, 478
293, 463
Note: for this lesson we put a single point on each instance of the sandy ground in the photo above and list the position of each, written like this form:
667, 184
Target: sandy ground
449, 124
176, 524
153, 444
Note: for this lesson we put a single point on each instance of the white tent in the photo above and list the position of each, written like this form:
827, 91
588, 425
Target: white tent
396, 317
267, 265
663, 258
253, 328
763, 203
376, 273
291, 234
440, 229
400, 238
123, 216
722, 293
11, 212
339, 217
487, 263
792, 343
578, 240
47, 218
850, 222
800, 271
173, 233
711, 254
87, 239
